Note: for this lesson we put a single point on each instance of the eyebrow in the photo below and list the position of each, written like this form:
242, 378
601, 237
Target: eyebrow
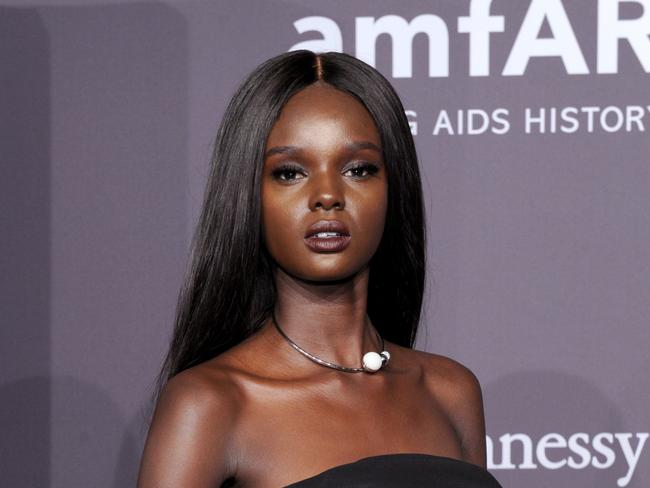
353, 146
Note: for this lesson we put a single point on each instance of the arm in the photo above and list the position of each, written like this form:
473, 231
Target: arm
459, 391
465, 409
189, 439
468, 417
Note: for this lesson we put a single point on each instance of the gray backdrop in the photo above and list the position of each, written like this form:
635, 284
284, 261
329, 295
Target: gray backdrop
539, 264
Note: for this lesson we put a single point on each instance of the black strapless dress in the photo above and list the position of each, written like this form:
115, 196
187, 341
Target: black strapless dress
402, 470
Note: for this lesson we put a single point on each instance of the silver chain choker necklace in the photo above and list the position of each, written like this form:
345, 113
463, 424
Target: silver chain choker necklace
372, 361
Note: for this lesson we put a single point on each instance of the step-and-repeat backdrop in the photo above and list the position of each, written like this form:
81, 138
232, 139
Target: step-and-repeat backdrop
532, 124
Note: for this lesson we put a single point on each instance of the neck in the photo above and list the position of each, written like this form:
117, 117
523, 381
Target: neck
327, 319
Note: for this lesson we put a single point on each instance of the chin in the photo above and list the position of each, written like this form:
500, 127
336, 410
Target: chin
333, 278
323, 275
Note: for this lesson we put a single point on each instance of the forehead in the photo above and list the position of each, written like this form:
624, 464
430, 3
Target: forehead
321, 112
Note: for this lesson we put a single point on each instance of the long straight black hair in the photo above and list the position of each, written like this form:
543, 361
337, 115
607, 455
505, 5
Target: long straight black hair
229, 291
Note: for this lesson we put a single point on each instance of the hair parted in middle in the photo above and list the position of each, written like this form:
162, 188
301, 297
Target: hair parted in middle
229, 291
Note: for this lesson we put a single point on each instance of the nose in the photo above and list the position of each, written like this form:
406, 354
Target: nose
327, 193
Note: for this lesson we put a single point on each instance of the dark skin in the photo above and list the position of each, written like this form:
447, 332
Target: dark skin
262, 413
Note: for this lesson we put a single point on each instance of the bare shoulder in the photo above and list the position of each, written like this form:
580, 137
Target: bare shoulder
199, 392
452, 381
458, 392
190, 441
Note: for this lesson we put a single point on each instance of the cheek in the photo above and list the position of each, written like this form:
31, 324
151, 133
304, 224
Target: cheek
377, 206
277, 219
371, 217
379, 216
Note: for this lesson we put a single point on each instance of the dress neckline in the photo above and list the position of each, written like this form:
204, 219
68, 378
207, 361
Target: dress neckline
377, 457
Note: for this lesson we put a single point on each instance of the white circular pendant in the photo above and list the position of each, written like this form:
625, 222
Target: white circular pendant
372, 361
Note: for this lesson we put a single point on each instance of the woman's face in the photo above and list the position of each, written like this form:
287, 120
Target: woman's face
323, 162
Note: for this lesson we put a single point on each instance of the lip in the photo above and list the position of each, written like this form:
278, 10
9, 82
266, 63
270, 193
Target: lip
327, 226
327, 244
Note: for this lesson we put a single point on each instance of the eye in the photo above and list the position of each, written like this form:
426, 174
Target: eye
363, 170
287, 172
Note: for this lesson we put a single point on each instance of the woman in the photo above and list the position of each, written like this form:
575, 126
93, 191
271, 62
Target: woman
292, 357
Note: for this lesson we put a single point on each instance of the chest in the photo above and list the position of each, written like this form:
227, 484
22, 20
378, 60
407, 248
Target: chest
301, 432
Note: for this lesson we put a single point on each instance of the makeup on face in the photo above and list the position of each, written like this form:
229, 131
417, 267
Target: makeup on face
327, 236
324, 189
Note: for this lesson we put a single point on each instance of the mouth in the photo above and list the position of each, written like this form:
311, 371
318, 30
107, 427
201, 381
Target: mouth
327, 236
327, 229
